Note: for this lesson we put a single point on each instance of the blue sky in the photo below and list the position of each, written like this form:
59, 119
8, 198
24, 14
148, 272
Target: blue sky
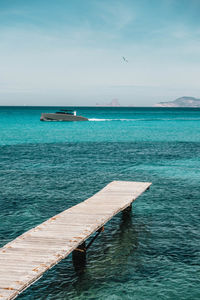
69, 52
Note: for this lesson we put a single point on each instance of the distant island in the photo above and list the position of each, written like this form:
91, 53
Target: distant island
180, 102
113, 103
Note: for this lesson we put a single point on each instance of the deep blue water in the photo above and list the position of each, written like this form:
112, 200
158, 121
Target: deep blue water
46, 167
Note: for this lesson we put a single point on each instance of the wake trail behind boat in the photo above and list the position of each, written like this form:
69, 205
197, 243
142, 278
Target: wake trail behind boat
145, 120
100, 120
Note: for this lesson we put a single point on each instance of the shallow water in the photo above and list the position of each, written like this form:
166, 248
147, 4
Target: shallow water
47, 167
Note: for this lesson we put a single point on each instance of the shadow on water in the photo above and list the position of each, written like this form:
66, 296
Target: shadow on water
108, 258
81, 257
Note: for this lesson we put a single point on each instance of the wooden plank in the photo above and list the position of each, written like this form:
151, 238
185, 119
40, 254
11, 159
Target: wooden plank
7, 294
25, 259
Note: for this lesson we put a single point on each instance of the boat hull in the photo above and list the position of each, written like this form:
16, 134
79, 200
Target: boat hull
61, 117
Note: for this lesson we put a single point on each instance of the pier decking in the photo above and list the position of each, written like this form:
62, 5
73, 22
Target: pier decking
25, 259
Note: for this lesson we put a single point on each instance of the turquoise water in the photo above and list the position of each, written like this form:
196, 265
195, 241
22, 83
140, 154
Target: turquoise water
47, 167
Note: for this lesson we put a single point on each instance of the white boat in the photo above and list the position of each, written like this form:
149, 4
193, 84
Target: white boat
62, 115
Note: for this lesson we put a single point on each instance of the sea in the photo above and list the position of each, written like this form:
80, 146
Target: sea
47, 167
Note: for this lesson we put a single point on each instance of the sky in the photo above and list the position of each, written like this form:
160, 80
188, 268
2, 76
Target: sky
70, 52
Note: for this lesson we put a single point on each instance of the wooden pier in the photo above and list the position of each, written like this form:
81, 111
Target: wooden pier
25, 259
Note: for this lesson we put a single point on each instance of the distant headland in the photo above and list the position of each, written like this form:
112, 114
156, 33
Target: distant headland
180, 102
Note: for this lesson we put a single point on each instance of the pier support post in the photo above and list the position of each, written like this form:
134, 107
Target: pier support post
79, 257
79, 254
127, 211
101, 229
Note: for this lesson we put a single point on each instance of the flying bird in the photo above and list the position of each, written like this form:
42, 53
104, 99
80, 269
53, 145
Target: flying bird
124, 58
